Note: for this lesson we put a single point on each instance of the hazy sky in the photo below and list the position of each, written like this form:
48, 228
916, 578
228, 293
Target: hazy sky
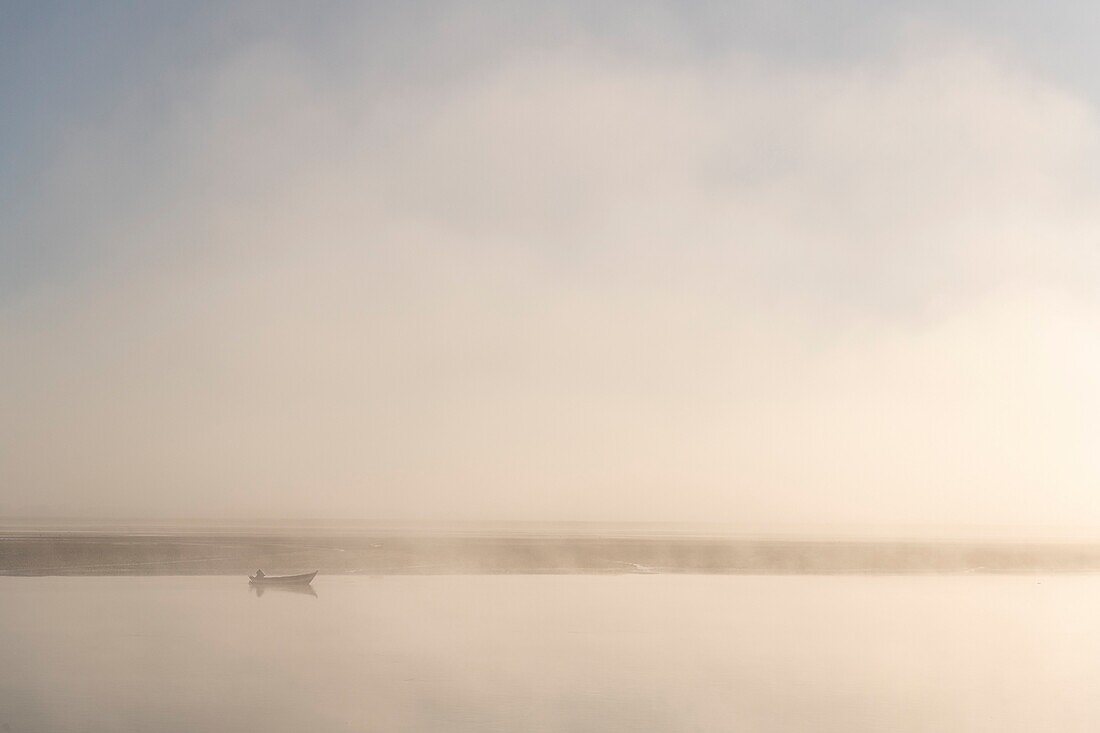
762, 263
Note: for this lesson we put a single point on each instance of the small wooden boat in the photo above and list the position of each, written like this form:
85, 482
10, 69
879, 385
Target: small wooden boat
303, 579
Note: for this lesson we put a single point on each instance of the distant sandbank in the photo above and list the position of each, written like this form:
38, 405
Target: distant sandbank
32, 553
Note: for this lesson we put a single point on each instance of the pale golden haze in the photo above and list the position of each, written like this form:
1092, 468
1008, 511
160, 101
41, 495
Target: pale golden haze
638, 264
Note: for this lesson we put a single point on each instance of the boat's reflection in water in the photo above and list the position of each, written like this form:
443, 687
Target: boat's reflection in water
299, 588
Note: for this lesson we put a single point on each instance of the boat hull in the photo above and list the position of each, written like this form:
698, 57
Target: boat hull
303, 579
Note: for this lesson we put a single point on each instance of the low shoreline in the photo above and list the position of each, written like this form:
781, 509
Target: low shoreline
76, 554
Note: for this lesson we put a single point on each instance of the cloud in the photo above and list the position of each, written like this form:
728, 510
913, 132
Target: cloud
571, 285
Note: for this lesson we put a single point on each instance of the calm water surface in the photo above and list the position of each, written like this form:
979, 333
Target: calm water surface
552, 653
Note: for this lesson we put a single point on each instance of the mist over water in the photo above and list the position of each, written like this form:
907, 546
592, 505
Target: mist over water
774, 323
564, 653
